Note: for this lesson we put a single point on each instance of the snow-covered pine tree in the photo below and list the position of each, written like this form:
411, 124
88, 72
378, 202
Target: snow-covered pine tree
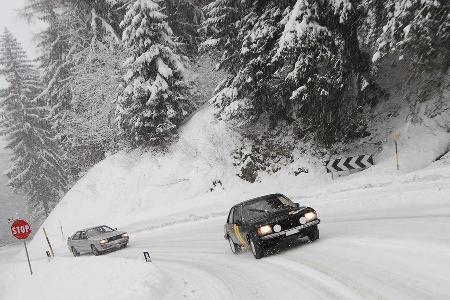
36, 169
81, 36
323, 68
416, 30
291, 60
251, 90
223, 25
184, 18
154, 101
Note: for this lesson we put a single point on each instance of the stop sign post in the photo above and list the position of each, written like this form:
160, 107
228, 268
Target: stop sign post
21, 230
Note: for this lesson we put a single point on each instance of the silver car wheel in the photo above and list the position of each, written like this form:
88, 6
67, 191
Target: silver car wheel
94, 250
75, 252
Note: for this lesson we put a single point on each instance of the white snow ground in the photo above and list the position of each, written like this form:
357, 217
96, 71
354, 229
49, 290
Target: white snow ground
384, 234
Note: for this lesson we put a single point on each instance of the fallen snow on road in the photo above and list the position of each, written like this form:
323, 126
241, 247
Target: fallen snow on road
84, 278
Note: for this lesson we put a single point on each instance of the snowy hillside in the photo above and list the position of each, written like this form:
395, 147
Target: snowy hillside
384, 234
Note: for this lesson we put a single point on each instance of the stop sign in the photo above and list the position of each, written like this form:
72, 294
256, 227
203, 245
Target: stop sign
21, 229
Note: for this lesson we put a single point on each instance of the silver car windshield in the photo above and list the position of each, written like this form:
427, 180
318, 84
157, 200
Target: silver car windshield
98, 230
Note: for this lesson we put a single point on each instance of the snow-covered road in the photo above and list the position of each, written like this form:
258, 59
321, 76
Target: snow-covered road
398, 253
386, 241
353, 260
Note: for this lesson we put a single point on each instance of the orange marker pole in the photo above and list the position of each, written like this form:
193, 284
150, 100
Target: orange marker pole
48, 242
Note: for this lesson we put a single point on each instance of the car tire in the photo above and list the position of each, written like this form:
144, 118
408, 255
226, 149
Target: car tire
314, 234
95, 250
235, 248
74, 251
256, 248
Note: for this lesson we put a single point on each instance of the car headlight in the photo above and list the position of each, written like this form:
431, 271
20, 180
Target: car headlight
104, 241
125, 235
310, 216
264, 230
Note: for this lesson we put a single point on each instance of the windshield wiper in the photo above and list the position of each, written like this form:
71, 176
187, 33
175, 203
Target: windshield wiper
258, 210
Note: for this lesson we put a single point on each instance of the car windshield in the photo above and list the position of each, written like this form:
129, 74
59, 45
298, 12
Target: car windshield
98, 230
265, 206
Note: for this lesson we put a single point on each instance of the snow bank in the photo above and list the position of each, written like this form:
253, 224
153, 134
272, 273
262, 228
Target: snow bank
86, 278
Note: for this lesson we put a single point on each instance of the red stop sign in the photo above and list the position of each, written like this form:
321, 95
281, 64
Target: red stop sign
21, 229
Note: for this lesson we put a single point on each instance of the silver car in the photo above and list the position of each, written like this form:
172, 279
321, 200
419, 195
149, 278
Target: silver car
97, 240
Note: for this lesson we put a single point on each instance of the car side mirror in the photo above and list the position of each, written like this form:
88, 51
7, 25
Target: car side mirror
115, 229
297, 205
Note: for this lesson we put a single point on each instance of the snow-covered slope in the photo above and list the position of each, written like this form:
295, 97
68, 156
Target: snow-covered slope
384, 234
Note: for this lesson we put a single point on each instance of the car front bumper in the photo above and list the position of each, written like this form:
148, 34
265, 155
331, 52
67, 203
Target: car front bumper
295, 232
115, 244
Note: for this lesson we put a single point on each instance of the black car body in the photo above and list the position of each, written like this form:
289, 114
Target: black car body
260, 223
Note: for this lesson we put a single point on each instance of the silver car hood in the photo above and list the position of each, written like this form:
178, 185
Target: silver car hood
106, 235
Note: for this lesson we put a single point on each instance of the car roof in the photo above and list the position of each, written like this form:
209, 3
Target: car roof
269, 196
86, 229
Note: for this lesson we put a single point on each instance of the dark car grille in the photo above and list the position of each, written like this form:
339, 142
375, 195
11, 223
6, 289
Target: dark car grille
290, 222
113, 238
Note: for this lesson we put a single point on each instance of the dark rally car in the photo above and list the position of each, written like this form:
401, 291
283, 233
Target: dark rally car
263, 222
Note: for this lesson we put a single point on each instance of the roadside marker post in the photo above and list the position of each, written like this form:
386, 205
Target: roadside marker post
147, 257
62, 232
395, 136
48, 242
21, 230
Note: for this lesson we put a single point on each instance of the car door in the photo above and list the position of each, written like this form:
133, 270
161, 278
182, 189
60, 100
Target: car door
84, 242
229, 225
74, 240
239, 228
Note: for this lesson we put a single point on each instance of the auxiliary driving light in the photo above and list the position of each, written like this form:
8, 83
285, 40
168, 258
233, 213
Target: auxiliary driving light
310, 216
264, 230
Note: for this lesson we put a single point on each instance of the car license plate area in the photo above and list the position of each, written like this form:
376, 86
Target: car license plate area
292, 231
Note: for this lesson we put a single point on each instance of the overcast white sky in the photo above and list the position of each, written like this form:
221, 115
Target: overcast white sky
23, 31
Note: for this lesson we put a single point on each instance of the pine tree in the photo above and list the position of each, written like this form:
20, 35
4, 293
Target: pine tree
154, 102
417, 30
184, 18
295, 61
223, 24
36, 169
79, 36
323, 68
251, 90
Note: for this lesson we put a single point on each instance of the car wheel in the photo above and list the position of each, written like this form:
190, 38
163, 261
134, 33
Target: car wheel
234, 247
95, 251
314, 235
256, 248
74, 251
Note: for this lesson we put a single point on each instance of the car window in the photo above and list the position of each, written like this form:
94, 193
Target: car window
266, 206
230, 216
237, 217
76, 236
98, 230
